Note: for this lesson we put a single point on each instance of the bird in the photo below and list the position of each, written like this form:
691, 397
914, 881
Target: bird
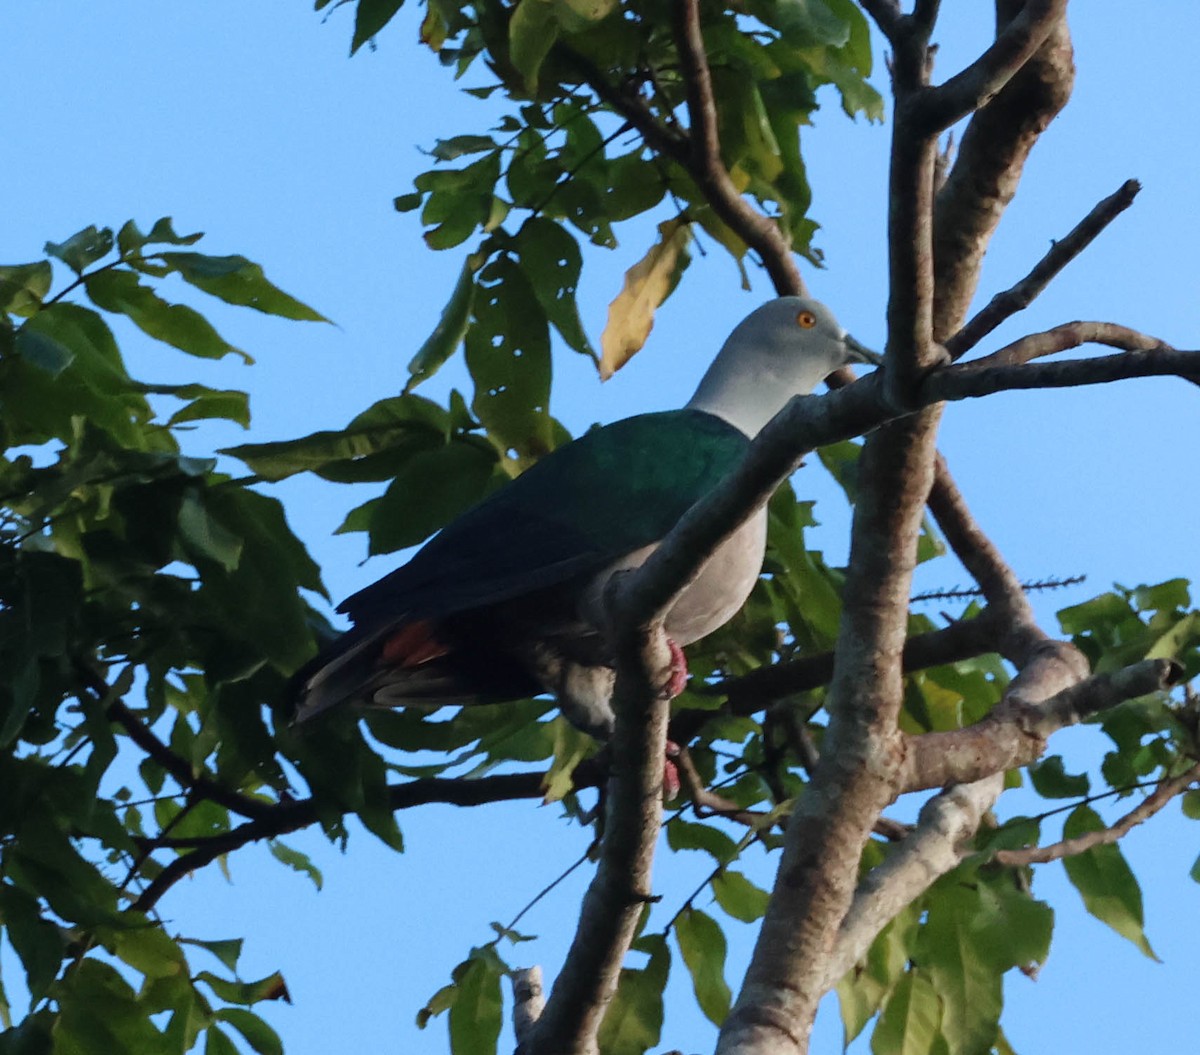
506, 601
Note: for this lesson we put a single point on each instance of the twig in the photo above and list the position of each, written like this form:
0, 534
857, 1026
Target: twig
1004, 305
704, 160
967, 381
1146, 809
290, 816
1069, 335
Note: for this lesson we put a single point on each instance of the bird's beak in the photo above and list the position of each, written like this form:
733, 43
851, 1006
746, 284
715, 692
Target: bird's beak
858, 353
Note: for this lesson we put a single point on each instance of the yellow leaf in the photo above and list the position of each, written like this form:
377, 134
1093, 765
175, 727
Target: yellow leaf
647, 284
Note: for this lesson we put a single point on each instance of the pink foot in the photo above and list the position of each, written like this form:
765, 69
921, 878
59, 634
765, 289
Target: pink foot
677, 682
671, 781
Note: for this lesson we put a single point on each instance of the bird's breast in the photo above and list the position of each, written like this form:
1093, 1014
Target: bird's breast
716, 595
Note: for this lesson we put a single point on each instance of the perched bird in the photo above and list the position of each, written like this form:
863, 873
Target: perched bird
506, 601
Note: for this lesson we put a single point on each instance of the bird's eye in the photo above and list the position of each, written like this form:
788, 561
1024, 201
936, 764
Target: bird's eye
806, 319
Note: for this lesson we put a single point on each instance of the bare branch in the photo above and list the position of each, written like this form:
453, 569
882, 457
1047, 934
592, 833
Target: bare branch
1069, 335
1004, 305
1015, 732
528, 1001
990, 160
886, 15
621, 886
181, 769
974, 87
858, 770
759, 232
291, 816
757, 690
968, 381
1146, 809
935, 846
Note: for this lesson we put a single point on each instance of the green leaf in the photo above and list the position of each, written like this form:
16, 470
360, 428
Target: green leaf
217, 1043
1051, 781
207, 403
146, 947
1105, 881
82, 248
205, 535
296, 860
99, 1012
43, 349
272, 987
130, 238
370, 18
475, 1015
24, 286
174, 324
451, 328
633, 1022
459, 146
571, 746
702, 943
532, 31
909, 1024
227, 950
430, 489
261, 1037
740, 898
684, 835
962, 971
236, 280
37, 941
551, 261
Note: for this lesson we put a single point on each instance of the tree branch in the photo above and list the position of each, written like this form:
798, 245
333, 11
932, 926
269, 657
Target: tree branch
886, 15
291, 816
1015, 732
1146, 809
937, 845
968, 381
974, 87
621, 887
990, 160
1069, 335
1004, 305
704, 162
858, 769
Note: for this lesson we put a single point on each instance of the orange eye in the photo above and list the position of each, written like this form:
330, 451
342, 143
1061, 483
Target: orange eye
806, 319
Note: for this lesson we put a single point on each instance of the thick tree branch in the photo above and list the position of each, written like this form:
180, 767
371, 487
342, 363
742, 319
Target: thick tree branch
621, 886
938, 844
990, 160
1146, 809
857, 772
757, 690
887, 16
1004, 305
974, 87
1015, 732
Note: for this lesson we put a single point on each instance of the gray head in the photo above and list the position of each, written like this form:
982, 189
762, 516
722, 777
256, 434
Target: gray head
783, 349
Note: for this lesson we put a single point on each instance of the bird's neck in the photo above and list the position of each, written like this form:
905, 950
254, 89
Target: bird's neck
746, 394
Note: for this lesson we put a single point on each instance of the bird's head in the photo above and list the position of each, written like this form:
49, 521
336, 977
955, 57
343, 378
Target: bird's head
782, 349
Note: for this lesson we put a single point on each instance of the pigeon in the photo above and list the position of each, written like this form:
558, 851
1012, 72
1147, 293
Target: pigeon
506, 602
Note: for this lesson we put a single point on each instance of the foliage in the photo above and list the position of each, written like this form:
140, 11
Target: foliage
153, 607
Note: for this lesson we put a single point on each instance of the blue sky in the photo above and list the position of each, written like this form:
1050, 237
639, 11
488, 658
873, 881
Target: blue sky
249, 122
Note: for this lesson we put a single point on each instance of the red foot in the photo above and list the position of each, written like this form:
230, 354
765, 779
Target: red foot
677, 682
